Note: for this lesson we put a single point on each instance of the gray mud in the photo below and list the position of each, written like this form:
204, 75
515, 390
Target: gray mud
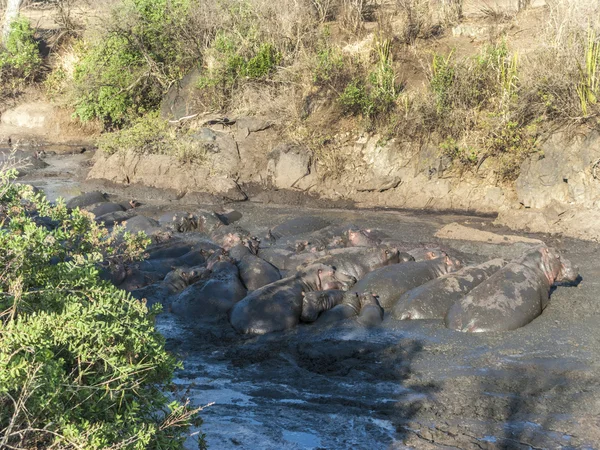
411, 384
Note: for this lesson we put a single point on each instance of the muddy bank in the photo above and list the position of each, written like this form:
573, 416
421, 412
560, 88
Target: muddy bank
557, 192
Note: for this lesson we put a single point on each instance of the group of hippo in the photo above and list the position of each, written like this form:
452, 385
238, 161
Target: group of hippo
202, 266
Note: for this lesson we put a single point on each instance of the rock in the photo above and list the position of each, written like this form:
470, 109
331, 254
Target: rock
287, 165
87, 199
180, 101
567, 173
30, 115
252, 124
167, 172
222, 151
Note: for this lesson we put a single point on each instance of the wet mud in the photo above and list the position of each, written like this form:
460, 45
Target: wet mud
403, 384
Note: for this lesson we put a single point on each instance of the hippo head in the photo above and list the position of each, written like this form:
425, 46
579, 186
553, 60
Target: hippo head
361, 238
252, 244
556, 269
389, 256
449, 264
195, 274
405, 257
322, 278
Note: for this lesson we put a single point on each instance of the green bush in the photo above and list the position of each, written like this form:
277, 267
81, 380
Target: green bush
20, 59
81, 364
442, 79
152, 135
233, 61
125, 72
378, 93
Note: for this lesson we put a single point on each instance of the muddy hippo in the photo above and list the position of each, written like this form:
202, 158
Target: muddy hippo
142, 223
327, 237
101, 209
137, 279
356, 237
390, 282
255, 272
348, 306
87, 199
209, 299
179, 279
229, 236
278, 306
514, 295
359, 262
371, 312
179, 221
433, 299
316, 302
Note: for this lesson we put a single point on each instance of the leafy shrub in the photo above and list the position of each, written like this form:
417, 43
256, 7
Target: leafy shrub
152, 135
81, 365
232, 61
126, 70
378, 93
442, 79
20, 59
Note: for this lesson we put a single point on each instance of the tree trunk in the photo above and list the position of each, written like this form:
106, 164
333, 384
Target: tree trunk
11, 13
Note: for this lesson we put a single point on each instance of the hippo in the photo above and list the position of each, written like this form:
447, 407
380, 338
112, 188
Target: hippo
211, 298
116, 217
364, 238
86, 199
514, 295
229, 236
358, 262
389, 283
348, 307
327, 237
277, 256
316, 302
169, 249
179, 279
254, 271
371, 312
136, 279
142, 223
425, 253
165, 265
335, 305
179, 221
278, 306
433, 299
101, 209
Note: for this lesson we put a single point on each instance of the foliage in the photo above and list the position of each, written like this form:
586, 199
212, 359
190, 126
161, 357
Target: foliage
442, 78
81, 365
152, 135
378, 93
125, 72
588, 88
20, 59
233, 61
329, 63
